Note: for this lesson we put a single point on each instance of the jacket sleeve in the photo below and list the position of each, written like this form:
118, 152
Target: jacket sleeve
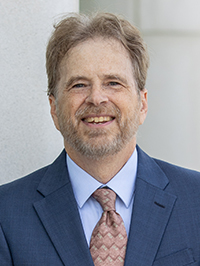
5, 256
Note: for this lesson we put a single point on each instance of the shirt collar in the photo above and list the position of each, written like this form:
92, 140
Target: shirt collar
123, 183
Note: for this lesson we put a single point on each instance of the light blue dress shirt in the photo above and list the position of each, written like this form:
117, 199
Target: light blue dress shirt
123, 183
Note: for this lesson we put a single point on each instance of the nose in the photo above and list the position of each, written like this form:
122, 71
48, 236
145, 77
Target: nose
97, 95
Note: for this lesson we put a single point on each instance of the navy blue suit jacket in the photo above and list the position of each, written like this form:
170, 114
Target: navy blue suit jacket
40, 223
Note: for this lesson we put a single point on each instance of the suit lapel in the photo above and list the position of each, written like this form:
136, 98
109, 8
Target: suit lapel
151, 212
60, 217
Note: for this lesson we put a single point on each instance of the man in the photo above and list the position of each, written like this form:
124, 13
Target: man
96, 71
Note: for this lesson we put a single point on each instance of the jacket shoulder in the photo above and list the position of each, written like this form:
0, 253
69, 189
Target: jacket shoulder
181, 180
177, 171
27, 186
22, 185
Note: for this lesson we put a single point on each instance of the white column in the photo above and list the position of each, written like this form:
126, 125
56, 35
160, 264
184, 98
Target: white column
172, 129
28, 139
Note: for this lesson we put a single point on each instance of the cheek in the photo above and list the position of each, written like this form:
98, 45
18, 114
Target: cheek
74, 100
130, 109
70, 109
125, 104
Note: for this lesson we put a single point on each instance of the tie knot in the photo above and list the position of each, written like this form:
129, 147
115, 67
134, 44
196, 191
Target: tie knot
106, 198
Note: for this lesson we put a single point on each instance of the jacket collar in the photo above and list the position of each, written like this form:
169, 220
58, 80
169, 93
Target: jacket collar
149, 171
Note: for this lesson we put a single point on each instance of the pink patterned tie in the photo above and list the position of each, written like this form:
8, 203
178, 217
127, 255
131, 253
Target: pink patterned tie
109, 238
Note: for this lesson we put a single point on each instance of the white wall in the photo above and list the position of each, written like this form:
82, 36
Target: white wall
172, 32
28, 139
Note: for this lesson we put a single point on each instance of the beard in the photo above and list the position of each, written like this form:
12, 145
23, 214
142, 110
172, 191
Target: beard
98, 143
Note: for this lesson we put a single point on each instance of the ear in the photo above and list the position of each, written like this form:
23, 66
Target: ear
53, 111
144, 105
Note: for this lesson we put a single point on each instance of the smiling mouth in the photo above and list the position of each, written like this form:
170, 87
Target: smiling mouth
98, 120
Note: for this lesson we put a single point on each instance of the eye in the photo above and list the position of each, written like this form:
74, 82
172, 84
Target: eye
113, 83
79, 85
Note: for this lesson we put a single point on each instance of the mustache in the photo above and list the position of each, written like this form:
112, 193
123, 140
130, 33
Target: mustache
103, 109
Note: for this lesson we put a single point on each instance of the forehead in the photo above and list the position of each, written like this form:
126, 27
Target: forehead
97, 52
99, 44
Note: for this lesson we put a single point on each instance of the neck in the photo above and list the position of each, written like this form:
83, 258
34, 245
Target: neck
103, 169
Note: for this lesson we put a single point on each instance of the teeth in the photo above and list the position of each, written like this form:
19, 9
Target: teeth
98, 119
89, 119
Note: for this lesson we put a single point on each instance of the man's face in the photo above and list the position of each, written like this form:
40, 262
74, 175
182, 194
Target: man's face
97, 107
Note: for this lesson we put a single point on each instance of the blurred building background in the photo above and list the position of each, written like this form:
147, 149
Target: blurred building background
171, 29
